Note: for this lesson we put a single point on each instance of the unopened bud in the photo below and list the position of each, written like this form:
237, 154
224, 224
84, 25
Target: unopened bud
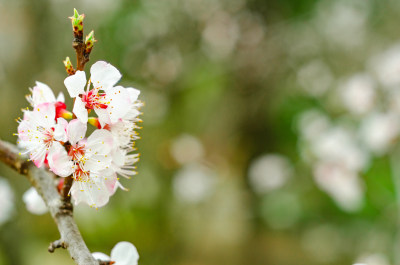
95, 122
68, 66
77, 23
89, 42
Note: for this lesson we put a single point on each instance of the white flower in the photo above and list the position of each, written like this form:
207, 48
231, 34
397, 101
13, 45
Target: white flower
338, 145
193, 183
187, 148
269, 172
110, 103
89, 161
123, 253
341, 183
361, 88
34, 203
38, 131
379, 130
42, 93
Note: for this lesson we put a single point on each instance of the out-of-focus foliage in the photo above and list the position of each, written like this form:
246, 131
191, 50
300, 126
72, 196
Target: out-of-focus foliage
270, 131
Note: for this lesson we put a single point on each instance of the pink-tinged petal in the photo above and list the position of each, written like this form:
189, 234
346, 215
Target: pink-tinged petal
119, 103
60, 97
75, 84
111, 184
125, 253
59, 161
80, 111
104, 75
104, 117
44, 114
100, 142
101, 256
23, 128
60, 130
76, 131
133, 93
38, 155
42, 93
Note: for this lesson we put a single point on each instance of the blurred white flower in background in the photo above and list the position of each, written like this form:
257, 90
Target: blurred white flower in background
186, 149
269, 172
193, 183
386, 67
315, 77
379, 130
312, 123
343, 22
339, 145
123, 253
33, 202
358, 94
220, 35
342, 184
336, 157
372, 259
7, 201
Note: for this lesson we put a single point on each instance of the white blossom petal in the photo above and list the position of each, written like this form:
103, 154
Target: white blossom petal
104, 117
60, 130
60, 97
76, 131
33, 202
100, 141
119, 103
104, 75
125, 253
59, 161
80, 111
101, 256
75, 84
133, 93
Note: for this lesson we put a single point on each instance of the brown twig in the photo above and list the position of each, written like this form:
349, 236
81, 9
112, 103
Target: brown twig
43, 181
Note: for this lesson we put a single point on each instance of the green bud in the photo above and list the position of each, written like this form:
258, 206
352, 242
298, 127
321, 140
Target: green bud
89, 41
68, 66
77, 22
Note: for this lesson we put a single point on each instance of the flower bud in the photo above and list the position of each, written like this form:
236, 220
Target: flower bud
89, 42
77, 23
68, 66
95, 122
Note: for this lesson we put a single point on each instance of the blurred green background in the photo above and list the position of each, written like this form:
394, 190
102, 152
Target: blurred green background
270, 128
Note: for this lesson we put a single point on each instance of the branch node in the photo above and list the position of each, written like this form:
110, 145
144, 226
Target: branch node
57, 244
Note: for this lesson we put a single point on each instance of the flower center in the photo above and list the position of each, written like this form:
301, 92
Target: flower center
94, 100
77, 152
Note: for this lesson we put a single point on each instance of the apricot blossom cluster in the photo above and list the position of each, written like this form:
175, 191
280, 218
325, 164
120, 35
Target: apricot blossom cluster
96, 161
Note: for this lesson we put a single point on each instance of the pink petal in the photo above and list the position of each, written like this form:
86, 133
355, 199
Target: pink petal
75, 84
59, 161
